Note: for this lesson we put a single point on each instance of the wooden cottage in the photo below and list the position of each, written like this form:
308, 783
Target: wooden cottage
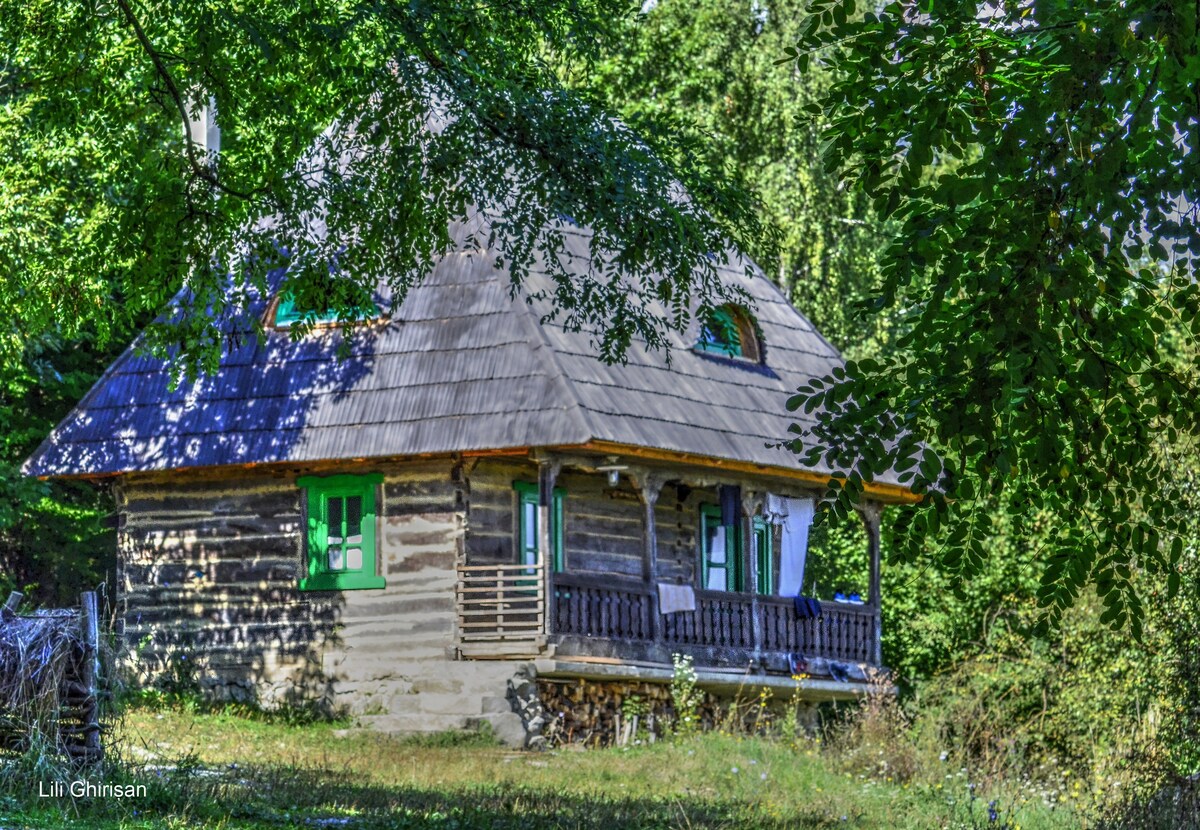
471, 497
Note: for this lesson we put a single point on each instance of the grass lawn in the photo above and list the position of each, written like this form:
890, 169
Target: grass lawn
222, 770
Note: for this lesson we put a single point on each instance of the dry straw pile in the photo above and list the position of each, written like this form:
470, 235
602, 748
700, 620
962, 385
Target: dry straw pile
45, 703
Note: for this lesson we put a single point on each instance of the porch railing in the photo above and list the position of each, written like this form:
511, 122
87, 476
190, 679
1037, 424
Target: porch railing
500, 602
602, 607
622, 610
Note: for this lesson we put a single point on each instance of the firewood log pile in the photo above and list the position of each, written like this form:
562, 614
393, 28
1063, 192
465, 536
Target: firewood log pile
610, 712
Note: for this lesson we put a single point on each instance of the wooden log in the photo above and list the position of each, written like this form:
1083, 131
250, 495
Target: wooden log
89, 620
10, 606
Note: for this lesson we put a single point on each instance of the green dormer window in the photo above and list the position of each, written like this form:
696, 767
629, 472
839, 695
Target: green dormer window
730, 331
289, 312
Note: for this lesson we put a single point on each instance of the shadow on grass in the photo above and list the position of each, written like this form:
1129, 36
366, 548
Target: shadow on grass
259, 797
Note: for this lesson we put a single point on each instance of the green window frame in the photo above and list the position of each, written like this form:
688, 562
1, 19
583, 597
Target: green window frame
720, 334
731, 331
527, 524
287, 313
764, 555
339, 558
720, 560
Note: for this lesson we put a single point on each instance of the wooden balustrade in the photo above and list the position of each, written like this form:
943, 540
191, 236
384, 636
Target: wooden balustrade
620, 610
500, 602
613, 611
842, 632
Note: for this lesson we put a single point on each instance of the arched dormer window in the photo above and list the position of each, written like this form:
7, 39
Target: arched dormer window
732, 332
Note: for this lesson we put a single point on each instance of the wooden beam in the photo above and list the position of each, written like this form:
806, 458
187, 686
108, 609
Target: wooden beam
284, 468
89, 622
548, 470
751, 503
889, 493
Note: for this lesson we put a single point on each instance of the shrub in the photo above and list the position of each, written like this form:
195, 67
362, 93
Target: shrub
876, 738
685, 697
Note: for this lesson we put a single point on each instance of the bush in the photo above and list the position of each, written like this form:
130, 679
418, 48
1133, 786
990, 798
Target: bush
875, 738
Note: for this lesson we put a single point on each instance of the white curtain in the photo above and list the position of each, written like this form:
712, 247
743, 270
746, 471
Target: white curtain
795, 545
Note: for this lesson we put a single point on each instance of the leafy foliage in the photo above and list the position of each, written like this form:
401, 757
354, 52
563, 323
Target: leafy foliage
52, 544
1036, 159
711, 68
352, 134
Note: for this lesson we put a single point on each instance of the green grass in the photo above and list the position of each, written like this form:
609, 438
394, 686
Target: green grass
225, 771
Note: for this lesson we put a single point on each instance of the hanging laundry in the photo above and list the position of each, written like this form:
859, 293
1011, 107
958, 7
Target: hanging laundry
794, 550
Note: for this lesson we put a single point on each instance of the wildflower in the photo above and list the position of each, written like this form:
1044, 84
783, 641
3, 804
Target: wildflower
733, 770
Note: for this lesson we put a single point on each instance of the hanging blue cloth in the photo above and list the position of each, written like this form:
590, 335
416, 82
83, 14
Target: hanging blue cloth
807, 608
730, 496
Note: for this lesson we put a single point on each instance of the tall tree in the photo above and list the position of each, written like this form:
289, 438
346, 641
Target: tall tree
352, 134
1039, 160
712, 67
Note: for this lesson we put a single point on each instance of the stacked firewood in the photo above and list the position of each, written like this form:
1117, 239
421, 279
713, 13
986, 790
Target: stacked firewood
609, 712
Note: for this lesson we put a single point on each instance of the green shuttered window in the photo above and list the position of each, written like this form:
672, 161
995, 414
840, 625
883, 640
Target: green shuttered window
340, 544
720, 560
764, 555
527, 524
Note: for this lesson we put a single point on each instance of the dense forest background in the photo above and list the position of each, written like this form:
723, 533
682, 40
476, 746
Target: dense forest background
979, 671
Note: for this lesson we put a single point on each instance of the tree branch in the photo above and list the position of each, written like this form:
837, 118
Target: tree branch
199, 169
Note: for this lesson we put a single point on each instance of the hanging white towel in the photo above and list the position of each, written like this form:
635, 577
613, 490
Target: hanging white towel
794, 550
775, 510
672, 598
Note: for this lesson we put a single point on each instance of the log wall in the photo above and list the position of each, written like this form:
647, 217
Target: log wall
603, 525
208, 577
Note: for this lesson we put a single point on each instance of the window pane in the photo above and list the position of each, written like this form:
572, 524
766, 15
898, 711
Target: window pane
336, 562
354, 518
354, 559
529, 532
762, 555
335, 519
716, 543
716, 579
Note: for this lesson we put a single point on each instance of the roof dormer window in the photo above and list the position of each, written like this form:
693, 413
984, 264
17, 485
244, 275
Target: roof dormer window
731, 331
288, 312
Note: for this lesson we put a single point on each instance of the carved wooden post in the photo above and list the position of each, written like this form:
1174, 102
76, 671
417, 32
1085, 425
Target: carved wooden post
548, 471
872, 513
648, 489
750, 505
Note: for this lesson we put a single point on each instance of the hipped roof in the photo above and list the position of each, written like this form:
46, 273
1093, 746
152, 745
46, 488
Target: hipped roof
461, 366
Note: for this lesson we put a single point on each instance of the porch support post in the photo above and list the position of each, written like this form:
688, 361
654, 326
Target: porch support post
872, 513
649, 486
548, 470
751, 502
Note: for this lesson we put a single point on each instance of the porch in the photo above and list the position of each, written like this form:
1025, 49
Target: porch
507, 611
598, 601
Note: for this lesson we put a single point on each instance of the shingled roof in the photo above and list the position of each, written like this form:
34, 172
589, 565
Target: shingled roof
460, 366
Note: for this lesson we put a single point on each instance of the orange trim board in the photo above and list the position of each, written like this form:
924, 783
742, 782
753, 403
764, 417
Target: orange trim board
893, 493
